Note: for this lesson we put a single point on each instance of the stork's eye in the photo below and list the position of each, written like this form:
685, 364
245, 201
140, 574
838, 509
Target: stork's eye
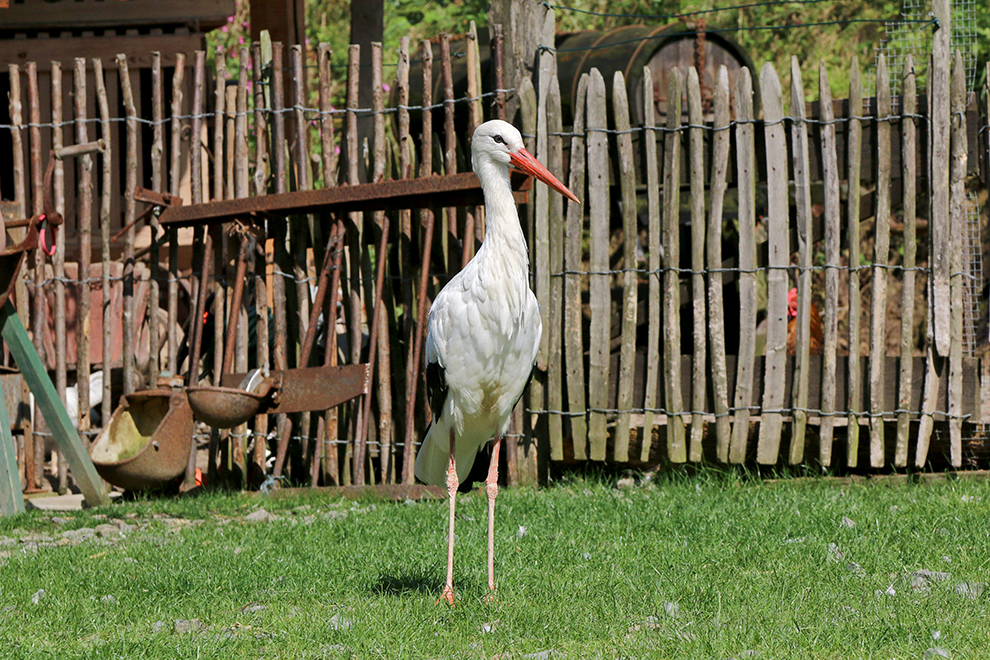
498, 139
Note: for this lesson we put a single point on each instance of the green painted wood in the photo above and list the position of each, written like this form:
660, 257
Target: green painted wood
11, 500
51, 407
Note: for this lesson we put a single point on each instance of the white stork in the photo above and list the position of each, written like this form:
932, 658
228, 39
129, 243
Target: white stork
484, 332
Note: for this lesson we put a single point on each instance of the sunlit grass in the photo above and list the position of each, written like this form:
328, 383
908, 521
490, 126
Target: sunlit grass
681, 568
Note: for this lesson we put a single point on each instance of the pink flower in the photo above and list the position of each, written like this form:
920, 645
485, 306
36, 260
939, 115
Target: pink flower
336, 150
230, 19
225, 29
386, 87
240, 40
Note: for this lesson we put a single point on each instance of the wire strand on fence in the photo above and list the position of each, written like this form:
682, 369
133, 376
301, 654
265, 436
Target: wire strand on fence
732, 411
309, 113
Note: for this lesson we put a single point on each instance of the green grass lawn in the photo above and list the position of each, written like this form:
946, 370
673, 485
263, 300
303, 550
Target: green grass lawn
701, 567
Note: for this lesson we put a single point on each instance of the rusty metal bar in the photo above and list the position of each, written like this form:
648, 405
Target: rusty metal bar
312, 388
424, 192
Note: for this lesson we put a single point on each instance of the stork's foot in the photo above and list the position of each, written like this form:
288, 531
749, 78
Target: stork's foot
447, 595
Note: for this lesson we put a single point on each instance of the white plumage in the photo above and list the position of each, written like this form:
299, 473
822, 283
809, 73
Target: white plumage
484, 331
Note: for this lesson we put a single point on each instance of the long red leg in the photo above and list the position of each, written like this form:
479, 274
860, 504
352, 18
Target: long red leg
452, 484
491, 490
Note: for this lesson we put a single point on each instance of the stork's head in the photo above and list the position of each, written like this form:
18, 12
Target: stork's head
497, 141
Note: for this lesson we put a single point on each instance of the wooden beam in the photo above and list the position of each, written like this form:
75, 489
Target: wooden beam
137, 48
65, 434
204, 15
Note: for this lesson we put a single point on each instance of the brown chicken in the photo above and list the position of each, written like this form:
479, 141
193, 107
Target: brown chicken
817, 328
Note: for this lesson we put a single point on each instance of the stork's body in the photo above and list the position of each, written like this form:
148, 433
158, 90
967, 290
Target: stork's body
483, 335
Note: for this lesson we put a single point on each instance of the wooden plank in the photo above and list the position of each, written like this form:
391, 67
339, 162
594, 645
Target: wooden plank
655, 262
83, 471
11, 499
909, 175
19, 16
802, 197
881, 256
599, 280
84, 220
696, 155
630, 238
426, 220
405, 253
746, 168
175, 172
58, 179
476, 217
525, 448
157, 147
720, 166
105, 194
242, 178
475, 114
933, 364
555, 222
939, 219
830, 167
573, 280
39, 309
449, 235
17, 128
778, 254
676, 450
957, 269
386, 425
854, 404
139, 49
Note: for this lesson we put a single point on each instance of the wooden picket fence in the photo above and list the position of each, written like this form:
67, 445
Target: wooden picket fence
617, 378
684, 398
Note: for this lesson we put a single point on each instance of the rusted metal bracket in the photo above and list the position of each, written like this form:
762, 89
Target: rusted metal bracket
437, 191
157, 200
312, 388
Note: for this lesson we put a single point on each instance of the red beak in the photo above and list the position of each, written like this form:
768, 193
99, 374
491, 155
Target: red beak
524, 161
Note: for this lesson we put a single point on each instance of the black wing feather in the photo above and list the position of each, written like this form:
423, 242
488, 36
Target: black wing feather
436, 388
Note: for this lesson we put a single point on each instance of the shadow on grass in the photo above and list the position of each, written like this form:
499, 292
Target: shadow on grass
397, 585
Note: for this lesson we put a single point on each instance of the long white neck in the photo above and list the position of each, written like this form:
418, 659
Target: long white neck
501, 219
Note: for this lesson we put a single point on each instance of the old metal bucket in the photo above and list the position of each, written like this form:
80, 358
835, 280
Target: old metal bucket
147, 442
